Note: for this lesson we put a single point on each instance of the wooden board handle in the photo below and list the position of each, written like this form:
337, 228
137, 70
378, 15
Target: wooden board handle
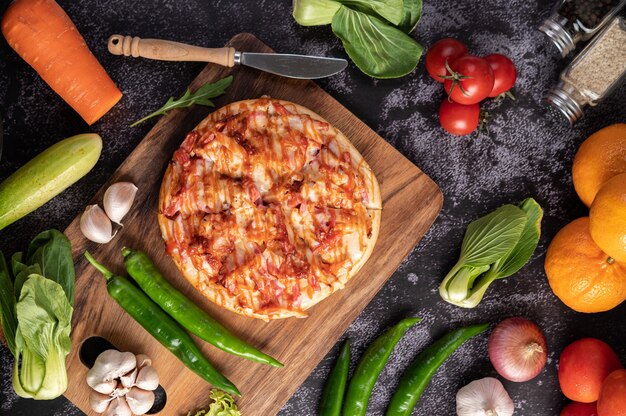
165, 50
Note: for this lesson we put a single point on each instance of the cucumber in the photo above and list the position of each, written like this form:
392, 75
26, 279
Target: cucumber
47, 175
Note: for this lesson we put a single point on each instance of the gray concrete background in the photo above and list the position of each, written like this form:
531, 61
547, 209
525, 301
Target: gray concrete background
527, 153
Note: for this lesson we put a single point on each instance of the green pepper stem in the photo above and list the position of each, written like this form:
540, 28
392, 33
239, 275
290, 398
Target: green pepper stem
126, 251
106, 272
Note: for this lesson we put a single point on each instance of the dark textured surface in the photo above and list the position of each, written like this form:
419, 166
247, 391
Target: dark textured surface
527, 153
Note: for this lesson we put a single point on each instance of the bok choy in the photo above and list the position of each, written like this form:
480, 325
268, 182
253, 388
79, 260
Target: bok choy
494, 247
373, 32
36, 297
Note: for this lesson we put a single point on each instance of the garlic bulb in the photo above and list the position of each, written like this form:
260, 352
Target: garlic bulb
118, 199
484, 397
96, 226
122, 383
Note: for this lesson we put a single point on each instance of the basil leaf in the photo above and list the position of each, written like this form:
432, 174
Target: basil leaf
489, 238
53, 252
377, 48
8, 316
390, 10
521, 253
411, 15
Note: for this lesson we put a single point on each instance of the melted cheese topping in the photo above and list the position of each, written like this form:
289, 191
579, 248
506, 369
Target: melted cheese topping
265, 207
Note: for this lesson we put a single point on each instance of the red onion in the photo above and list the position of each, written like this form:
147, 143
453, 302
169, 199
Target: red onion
517, 349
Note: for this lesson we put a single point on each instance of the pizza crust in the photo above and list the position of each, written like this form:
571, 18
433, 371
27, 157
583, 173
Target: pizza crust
217, 293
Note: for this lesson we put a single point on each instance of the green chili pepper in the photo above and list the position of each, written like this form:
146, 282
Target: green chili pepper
421, 371
185, 312
163, 328
369, 367
332, 397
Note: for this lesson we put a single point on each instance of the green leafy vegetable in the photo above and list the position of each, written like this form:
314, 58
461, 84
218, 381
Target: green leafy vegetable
8, 316
314, 12
52, 251
373, 32
390, 10
201, 96
411, 16
377, 48
36, 314
223, 405
496, 245
42, 339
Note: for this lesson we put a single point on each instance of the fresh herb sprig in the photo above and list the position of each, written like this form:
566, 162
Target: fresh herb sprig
494, 247
202, 96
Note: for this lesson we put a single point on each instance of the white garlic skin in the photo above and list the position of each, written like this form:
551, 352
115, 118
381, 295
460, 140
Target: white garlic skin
139, 401
96, 226
119, 407
484, 397
117, 200
99, 402
147, 379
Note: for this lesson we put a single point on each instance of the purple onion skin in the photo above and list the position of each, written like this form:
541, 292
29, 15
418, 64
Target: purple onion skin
518, 349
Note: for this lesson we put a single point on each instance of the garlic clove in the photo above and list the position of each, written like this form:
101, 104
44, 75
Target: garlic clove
104, 387
119, 407
128, 379
118, 199
96, 226
486, 396
143, 360
147, 379
98, 401
140, 401
110, 365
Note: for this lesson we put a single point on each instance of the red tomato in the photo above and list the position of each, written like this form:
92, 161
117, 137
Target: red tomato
580, 409
471, 82
583, 366
443, 50
612, 401
458, 119
504, 73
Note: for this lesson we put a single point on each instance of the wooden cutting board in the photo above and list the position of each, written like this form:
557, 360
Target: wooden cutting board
411, 202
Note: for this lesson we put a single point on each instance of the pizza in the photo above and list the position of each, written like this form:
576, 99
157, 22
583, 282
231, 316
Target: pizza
267, 209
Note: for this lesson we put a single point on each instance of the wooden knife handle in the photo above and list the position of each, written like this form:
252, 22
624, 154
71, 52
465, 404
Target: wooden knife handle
165, 50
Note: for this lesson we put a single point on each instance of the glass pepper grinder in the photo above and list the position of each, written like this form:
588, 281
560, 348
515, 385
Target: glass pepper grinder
573, 21
594, 73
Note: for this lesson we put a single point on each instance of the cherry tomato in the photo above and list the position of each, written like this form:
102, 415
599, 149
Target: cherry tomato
471, 80
444, 49
580, 409
504, 73
458, 119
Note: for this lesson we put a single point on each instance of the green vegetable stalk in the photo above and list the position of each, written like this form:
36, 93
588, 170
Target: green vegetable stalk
494, 247
36, 314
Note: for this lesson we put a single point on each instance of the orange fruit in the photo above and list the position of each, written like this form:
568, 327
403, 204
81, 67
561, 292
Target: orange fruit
607, 218
580, 274
583, 367
612, 401
599, 158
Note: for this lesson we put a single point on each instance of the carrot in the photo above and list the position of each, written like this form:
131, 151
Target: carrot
44, 36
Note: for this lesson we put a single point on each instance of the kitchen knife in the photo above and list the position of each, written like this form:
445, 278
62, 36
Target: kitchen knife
287, 65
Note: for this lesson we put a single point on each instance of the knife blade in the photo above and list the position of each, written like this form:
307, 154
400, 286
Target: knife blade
292, 66
287, 65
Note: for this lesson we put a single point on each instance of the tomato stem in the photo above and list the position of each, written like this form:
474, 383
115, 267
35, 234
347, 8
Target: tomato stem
456, 80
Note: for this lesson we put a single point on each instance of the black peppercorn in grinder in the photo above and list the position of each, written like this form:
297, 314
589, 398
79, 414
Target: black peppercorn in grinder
573, 21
